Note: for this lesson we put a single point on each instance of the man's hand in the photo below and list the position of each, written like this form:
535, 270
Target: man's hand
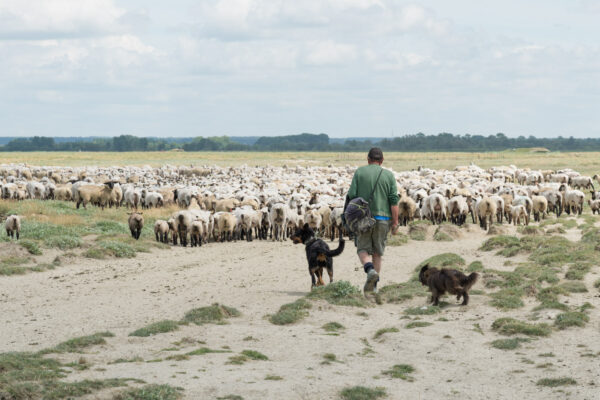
395, 227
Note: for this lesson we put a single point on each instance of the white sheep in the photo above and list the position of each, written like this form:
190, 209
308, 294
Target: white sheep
518, 214
13, 226
161, 231
540, 206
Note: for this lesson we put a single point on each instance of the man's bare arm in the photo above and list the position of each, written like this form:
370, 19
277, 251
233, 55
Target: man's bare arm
394, 210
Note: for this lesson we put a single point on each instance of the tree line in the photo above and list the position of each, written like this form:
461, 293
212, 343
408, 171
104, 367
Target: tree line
443, 142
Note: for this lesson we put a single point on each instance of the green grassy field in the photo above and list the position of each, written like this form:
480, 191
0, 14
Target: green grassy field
586, 163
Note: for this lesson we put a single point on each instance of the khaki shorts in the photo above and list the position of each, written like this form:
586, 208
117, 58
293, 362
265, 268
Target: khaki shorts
374, 240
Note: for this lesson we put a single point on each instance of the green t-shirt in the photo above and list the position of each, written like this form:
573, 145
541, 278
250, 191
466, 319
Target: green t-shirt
386, 193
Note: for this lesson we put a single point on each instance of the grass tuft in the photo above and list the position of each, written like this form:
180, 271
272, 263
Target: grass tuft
76, 345
571, 318
511, 326
214, 314
417, 324
156, 328
341, 293
254, 355
554, 382
291, 312
383, 331
509, 344
333, 327
150, 392
362, 393
401, 371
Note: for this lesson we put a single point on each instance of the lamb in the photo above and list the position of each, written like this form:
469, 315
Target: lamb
13, 226
136, 223
595, 206
540, 205
485, 210
196, 233
161, 231
524, 201
407, 208
518, 214
173, 230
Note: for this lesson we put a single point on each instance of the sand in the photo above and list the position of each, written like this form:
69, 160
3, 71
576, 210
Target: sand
453, 358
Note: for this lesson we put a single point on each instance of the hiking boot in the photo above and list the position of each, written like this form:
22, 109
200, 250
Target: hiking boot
372, 278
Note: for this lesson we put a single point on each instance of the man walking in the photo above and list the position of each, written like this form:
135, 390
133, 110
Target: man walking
370, 245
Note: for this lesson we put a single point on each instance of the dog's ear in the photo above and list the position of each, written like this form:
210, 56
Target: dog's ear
305, 226
425, 268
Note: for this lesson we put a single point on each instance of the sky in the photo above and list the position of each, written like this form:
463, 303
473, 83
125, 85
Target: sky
348, 68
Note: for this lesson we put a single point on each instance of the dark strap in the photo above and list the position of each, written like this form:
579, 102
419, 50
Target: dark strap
310, 241
374, 187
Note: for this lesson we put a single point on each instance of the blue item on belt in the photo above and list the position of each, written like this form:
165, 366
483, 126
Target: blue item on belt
381, 218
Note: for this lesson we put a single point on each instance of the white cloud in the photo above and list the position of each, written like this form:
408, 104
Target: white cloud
50, 18
329, 53
351, 67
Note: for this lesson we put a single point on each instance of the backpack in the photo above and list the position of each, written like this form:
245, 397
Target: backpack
358, 214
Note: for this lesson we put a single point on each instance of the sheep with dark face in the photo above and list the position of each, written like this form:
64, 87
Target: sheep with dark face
13, 226
136, 223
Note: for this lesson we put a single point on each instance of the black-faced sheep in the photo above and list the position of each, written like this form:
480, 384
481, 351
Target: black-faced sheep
13, 226
136, 223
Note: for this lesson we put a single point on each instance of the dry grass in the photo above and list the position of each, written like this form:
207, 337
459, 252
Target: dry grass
585, 163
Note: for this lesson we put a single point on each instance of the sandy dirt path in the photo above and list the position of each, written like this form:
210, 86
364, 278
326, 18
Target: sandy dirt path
453, 359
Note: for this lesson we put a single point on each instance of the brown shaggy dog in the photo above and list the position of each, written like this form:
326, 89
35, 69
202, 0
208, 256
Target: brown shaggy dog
447, 280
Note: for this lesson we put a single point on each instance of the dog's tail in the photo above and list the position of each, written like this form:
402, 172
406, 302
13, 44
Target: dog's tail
469, 281
338, 251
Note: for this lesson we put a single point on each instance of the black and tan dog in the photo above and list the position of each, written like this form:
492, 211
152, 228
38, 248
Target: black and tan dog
318, 254
447, 280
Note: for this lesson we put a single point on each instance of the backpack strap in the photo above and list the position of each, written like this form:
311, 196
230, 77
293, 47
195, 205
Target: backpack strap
375, 186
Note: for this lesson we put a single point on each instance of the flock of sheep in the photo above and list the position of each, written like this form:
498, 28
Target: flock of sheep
268, 202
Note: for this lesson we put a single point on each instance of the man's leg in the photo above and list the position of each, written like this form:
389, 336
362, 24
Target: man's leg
377, 259
365, 246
